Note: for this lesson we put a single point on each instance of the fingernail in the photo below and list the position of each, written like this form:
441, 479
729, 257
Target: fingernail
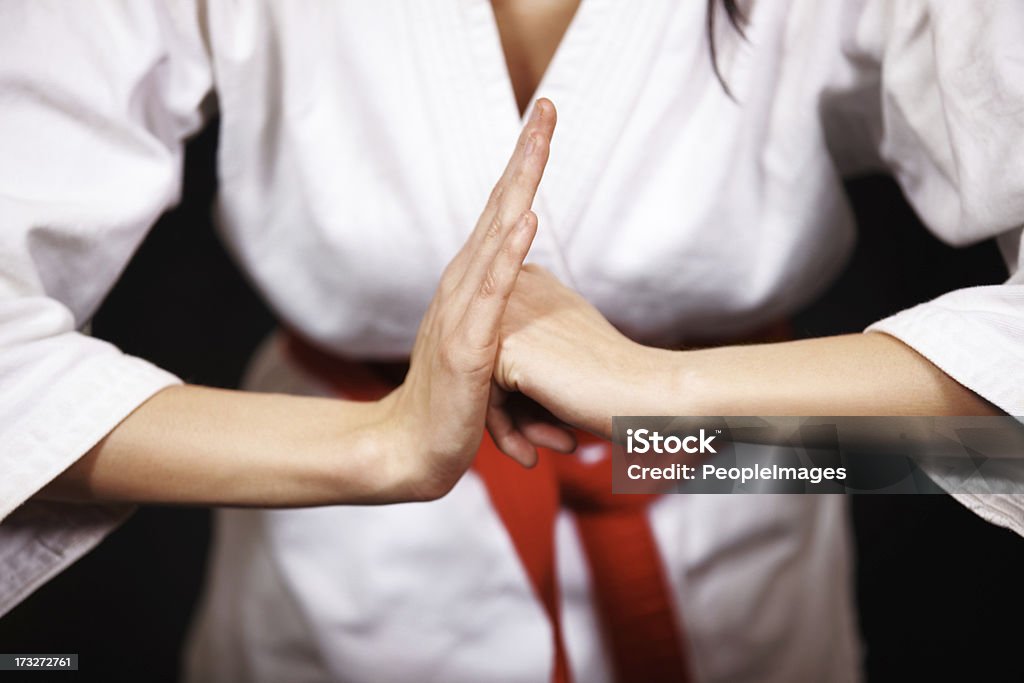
535, 116
531, 145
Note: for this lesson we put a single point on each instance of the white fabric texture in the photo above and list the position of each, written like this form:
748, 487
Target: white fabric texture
91, 128
436, 593
358, 143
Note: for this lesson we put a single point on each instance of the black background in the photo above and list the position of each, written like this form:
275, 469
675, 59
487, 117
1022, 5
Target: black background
940, 592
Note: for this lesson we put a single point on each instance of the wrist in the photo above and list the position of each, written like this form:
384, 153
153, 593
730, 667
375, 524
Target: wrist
630, 379
661, 382
388, 436
654, 381
358, 454
404, 471
680, 385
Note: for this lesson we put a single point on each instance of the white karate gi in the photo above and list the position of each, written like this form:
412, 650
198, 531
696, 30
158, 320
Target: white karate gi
358, 143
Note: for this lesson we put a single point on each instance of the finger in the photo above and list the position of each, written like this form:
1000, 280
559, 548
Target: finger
524, 169
544, 434
537, 424
480, 323
541, 123
519, 186
495, 228
507, 438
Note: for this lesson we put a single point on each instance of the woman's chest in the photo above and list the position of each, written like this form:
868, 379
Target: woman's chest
360, 142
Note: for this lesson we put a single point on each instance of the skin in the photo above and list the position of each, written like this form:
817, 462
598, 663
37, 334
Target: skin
530, 32
586, 384
195, 445
496, 344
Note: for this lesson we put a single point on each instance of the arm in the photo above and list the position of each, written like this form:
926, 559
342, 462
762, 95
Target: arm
587, 384
853, 374
191, 444
204, 446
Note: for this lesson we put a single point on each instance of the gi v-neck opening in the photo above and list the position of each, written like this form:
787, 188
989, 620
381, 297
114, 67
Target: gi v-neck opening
594, 78
502, 119
493, 65
520, 42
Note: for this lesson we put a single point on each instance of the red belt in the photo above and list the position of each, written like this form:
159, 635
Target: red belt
631, 590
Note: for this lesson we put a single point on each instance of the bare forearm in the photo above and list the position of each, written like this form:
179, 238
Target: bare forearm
196, 445
215, 447
856, 374
561, 352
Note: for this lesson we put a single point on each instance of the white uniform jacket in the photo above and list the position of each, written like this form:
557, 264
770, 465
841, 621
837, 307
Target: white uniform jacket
358, 144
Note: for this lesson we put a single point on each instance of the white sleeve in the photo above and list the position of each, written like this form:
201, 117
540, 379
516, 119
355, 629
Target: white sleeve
95, 101
953, 135
951, 129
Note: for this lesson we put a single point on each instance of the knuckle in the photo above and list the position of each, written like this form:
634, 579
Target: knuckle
494, 227
496, 197
513, 376
491, 285
496, 193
